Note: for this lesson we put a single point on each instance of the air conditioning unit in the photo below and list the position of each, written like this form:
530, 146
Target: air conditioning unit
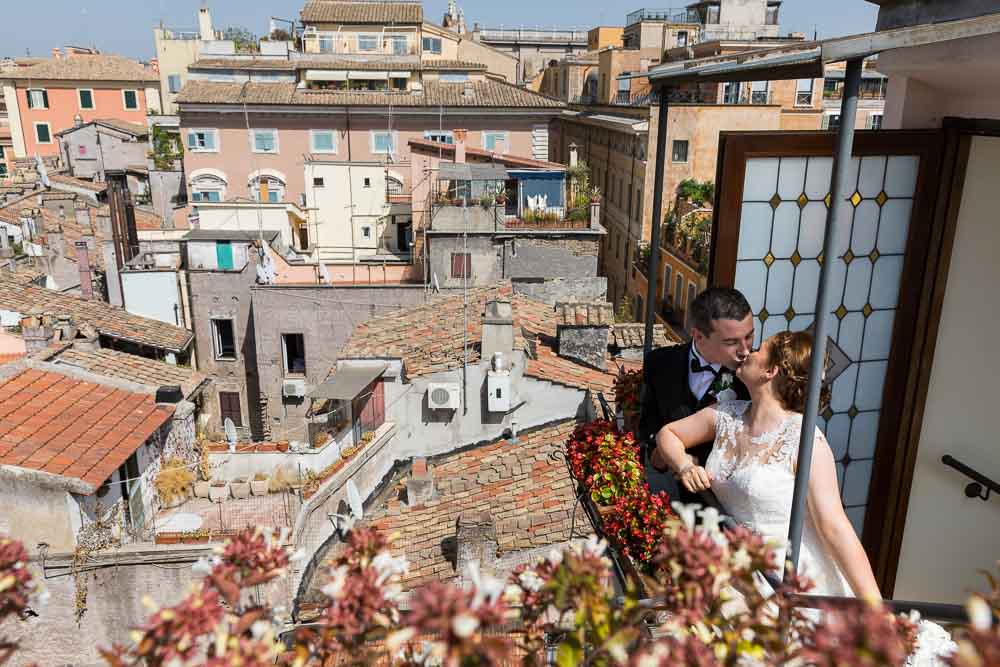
293, 389
443, 396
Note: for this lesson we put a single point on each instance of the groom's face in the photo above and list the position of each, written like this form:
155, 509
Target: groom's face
729, 343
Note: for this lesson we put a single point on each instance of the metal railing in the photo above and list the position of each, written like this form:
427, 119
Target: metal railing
974, 489
533, 35
670, 15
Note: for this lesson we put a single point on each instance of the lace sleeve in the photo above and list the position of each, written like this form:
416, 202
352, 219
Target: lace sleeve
788, 451
727, 413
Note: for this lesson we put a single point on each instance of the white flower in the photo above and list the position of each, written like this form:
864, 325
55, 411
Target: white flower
980, 614
336, 585
389, 566
742, 560
260, 629
686, 513
205, 565
297, 556
530, 581
595, 546
555, 557
726, 394
464, 625
486, 587
709, 520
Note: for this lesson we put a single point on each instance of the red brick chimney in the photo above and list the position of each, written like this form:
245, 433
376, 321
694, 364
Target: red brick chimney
86, 277
460, 137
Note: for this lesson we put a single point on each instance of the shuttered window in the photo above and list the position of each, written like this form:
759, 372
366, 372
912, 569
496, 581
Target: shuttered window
461, 265
229, 407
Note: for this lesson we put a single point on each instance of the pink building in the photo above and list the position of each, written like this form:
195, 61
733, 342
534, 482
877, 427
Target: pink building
49, 97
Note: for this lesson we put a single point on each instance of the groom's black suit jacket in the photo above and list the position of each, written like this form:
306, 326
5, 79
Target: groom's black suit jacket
667, 397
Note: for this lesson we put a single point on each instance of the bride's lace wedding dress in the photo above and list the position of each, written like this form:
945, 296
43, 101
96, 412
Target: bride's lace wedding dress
754, 479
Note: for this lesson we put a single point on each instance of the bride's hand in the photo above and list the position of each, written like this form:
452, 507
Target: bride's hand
695, 478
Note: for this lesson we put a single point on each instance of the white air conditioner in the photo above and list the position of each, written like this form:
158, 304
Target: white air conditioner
443, 396
293, 388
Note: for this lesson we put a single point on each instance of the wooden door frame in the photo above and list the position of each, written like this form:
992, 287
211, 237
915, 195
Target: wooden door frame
892, 465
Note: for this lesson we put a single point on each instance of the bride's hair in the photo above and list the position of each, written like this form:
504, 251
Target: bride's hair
789, 352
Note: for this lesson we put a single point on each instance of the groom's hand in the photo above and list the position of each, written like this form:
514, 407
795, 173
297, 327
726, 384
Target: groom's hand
658, 462
695, 478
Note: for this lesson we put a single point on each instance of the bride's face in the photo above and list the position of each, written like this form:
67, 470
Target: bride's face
755, 372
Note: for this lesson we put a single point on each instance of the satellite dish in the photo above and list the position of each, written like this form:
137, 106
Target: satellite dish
437, 286
231, 436
324, 275
354, 500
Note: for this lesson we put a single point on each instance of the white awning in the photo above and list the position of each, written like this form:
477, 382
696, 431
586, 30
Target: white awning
399, 75
368, 76
325, 75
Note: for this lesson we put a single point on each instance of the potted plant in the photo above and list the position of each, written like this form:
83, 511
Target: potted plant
202, 488
259, 484
368, 436
240, 487
218, 491
348, 452
320, 438
174, 482
282, 445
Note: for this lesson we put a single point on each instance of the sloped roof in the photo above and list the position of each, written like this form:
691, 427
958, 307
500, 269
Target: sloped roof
122, 126
64, 179
64, 426
487, 93
133, 368
85, 67
337, 11
471, 151
415, 66
108, 320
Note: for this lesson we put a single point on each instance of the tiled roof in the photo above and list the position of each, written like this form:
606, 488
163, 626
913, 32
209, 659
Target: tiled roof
108, 320
435, 65
122, 365
7, 357
333, 63
525, 487
336, 11
632, 335
84, 184
243, 63
470, 151
64, 426
487, 93
85, 68
144, 220
585, 314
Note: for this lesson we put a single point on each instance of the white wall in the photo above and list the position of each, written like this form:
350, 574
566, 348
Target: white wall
231, 217
946, 533
203, 255
153, 294
14, 116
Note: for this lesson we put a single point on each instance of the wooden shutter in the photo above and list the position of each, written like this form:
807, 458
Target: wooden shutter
461, 265
229, 406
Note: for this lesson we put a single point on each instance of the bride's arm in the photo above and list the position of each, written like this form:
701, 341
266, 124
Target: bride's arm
834, 527
673, 439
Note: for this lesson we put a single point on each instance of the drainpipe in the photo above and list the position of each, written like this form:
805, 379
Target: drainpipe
654, 236
824, 298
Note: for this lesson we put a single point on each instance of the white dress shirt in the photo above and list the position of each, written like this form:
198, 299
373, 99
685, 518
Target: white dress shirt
700, 382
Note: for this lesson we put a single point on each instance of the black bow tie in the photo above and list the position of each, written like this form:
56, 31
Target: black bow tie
698, 368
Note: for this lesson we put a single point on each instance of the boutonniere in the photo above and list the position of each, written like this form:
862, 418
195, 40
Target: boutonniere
722, 387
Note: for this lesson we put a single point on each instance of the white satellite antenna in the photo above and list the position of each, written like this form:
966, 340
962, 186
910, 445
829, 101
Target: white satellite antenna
265, 268
324, 275
437, 286
354, 501
231, 436
43, 173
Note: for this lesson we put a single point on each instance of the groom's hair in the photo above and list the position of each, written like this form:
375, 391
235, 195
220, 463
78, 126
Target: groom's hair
717, 303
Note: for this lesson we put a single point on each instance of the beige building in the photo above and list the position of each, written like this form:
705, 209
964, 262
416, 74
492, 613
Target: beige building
176, 49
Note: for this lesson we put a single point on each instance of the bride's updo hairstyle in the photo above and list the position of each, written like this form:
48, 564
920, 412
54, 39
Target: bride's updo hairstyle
789, 352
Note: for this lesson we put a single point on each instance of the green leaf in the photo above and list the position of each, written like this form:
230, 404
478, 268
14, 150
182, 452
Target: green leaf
569, 655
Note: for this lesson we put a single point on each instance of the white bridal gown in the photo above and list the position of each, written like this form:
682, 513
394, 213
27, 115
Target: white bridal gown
754, 479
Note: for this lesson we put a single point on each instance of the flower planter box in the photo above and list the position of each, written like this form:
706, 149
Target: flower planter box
202, 489
240, 489
218, 493
258, 487
282, 445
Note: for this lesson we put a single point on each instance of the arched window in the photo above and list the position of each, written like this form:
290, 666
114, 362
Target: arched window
393, 185
207, 187
272, 187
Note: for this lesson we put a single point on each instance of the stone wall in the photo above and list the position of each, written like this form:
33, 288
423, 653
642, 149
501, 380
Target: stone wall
553, 290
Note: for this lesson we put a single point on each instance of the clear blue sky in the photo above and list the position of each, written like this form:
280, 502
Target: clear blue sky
126, 27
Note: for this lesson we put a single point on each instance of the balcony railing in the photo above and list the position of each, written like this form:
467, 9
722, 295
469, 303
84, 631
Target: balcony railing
341, 44
670, 15
532, 35
627, 98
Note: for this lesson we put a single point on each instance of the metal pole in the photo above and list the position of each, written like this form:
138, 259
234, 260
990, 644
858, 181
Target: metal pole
654, 236
824, 299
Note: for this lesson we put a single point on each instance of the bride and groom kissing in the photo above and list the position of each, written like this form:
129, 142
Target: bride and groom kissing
719, 415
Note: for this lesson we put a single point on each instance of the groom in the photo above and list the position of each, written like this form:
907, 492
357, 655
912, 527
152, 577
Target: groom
682, 379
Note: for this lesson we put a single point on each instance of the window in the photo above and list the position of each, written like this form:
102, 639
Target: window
440, 136
86, 98
680, 151
203, 141
264, 141
174, 83
454, 77
731, 93
432, 45
326, 43
131, 99
323, 141
771, 17
624, 85
367, 182
43, 133
383, 142
224, 255
461, 265
225, 339
666, 285
758, 92
712, 14
398, 45
3, 168
691, 295
831, 121
294, 347
682, 38
208, 188
367, 42
393, 186
678, 291
268, 189
229, 407
875, 121
366, 231
491, 139
318, 182
803, 92
399, 83
38, 99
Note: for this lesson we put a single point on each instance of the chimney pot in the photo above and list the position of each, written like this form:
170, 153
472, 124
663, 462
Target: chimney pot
498, 329
420, 484
475, 542
582, 331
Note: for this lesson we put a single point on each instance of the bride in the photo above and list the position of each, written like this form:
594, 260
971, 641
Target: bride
752, 467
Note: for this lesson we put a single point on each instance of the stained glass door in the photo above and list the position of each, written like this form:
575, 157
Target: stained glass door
769, 241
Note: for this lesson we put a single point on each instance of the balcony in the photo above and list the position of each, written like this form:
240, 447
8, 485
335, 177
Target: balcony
536, 35
669, 15
360, 44
645, 99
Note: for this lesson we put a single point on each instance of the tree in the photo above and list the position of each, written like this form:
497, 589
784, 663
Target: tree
241, 37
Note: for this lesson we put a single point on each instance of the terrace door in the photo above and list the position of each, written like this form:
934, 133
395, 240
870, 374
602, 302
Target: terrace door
770, 216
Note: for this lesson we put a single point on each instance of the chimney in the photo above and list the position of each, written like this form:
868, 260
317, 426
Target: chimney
54, 239
89, 340
56, 52
6, 251
460, 136
475, 542
37, 332
111, 278
420, 484
86, 277
205, 25
154, 65
498, 329
582, 330
82, 214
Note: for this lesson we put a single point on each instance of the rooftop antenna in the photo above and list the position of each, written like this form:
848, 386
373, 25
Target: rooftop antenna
231, 436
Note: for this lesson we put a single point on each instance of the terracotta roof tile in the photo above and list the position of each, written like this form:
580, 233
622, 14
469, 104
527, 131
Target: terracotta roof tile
321, 62
98, 67
111, 363
337, 11
470, 151
23, 298
78, 182
124, 126
64, 426
481, 94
